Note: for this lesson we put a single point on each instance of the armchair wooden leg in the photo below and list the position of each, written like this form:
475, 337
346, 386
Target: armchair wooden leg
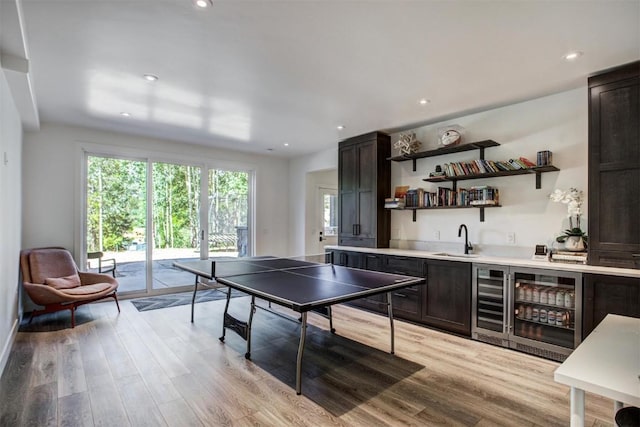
115, 297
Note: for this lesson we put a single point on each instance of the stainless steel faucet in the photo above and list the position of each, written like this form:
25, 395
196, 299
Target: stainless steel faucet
467, 244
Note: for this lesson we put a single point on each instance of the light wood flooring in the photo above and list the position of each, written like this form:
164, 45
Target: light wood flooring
155, 368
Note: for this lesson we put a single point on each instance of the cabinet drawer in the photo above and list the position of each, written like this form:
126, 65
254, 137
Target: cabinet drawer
403, 265
614, 259
373, 262
346, 259
406, 303
357, 242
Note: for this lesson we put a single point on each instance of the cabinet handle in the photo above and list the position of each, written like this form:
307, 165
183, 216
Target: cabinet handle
353, 230
399, 295
635, 255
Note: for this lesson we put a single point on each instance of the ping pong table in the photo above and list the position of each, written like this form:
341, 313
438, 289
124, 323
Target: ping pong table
297, 284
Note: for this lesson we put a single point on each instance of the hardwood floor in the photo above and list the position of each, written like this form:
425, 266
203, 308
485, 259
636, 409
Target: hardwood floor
155, 368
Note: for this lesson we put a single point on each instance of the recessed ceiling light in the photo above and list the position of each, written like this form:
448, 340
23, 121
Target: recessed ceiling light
572, 56
150, 77
424, 101
125, 114
340, 127
202, 4
286, 144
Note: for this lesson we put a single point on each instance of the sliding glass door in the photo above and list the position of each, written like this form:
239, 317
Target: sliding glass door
228, 211
145, 215
176, 222
116, 210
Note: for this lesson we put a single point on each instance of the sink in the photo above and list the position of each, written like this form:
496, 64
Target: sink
457, 255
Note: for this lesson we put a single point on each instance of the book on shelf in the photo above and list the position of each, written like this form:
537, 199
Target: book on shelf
394, 203
401, 191
527, 162
481, 166
417, 198
515, 164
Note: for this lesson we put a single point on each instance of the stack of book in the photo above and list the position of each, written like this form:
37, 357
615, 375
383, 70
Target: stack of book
569, 257
474, 196
394, 202
481, 166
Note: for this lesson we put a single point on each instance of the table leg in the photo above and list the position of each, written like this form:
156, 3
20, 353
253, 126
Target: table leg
303, 334
247, 355
577, 407
616, 407
226, 309
390, 312
331, 328
193, 299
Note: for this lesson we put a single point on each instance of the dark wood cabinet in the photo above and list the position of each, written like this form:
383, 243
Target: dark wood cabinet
406, 302
374, 262
444, 302
347, 258
608, 294
364, 181
614, 167
446, 298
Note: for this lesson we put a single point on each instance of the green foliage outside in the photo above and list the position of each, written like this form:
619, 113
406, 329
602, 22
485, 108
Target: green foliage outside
116, 195
116, 204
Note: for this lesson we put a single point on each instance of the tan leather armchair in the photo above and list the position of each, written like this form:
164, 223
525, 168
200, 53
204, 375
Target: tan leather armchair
51, 279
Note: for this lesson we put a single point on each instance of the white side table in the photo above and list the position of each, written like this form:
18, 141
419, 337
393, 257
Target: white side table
606, 363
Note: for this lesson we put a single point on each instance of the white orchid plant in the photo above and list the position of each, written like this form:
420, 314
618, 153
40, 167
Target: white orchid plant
573, 198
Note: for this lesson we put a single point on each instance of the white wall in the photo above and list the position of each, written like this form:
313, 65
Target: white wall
10, 218
52, 173
298, 170
557, 123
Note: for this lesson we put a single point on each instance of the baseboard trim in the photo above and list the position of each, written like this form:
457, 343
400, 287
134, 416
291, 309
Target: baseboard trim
6, 349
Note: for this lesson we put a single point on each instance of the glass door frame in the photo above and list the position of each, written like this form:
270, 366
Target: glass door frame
85, 150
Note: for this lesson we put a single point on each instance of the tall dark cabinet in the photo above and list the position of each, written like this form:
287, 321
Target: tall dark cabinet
364, 181
614, 167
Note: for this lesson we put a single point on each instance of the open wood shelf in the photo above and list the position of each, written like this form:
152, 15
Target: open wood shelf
536, 170
480, 145
414, 209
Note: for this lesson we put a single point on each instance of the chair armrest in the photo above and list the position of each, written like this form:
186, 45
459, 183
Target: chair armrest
44, 294
92, 278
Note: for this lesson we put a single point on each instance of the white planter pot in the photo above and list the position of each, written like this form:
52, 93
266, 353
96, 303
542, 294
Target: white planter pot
574, 243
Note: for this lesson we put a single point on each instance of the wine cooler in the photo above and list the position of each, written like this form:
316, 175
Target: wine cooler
531, 310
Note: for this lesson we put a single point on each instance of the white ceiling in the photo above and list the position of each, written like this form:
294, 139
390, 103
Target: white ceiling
253, 75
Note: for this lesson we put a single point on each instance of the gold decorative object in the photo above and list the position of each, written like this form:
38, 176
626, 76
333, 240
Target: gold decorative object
407, 143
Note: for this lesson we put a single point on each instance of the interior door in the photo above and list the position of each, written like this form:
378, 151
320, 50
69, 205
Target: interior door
326, 218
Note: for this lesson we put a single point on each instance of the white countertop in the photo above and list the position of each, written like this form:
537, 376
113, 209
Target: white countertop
496, 260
